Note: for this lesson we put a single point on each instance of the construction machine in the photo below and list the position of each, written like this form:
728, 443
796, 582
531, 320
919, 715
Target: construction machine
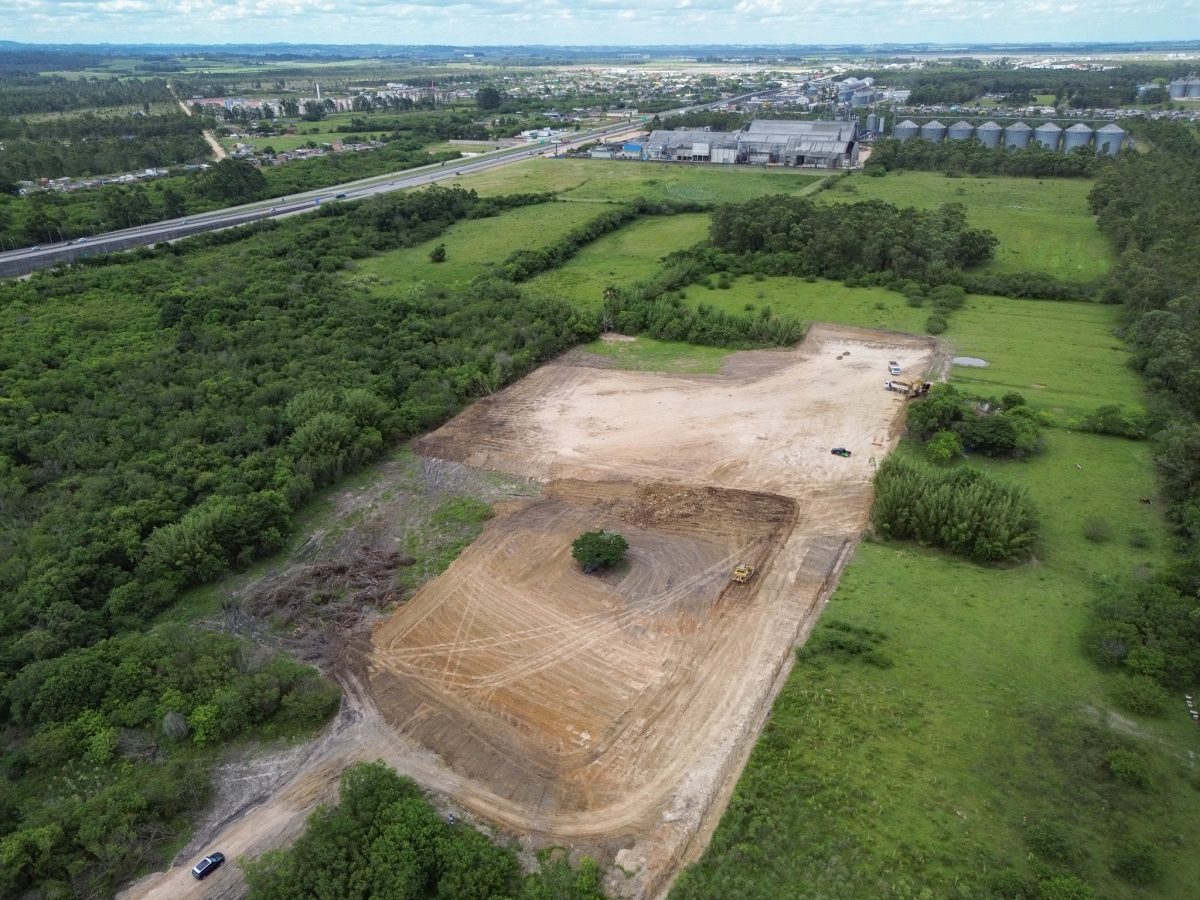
742, 572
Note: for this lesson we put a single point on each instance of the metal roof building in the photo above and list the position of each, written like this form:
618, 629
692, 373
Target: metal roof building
824, 145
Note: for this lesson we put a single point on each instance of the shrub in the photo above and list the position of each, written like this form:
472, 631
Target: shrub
936, 324
1012, 400
596, 550
438, 254
1051, 841
1138, 694
1064, 887
1129, 767
1097, 530
1138, 861
1115, 420
943, 447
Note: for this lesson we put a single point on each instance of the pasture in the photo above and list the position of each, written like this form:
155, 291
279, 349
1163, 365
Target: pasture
1062, 356
1043, 224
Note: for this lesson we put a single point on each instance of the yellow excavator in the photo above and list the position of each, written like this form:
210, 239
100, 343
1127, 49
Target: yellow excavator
742, 572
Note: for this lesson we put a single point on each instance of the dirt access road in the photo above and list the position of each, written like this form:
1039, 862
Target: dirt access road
611, 714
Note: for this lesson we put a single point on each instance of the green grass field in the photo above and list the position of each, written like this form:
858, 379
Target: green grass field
472, 245
644, 354
1043, 225
622, 257
600, 179
1061, 356
921, 775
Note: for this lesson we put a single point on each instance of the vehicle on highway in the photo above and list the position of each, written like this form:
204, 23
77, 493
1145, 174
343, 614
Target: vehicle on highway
82, 240
341, 196
208, 865
36, 247
458, 173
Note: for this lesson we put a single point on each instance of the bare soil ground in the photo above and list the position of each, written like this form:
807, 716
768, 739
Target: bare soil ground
610, 714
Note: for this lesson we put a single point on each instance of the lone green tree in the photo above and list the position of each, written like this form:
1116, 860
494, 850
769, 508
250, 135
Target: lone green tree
596, 550
438, 254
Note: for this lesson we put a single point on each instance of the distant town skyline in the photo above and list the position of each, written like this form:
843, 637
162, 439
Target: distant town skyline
482, 22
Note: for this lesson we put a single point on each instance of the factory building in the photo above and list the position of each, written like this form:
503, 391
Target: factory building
822, 145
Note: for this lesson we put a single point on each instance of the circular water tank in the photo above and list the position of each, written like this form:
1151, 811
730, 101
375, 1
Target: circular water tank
961, 131
1077, 136
934, 132
1048, 135
1110, 139
906, 130
989, 134
1017, 135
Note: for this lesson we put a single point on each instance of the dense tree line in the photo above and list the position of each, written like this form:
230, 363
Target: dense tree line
796, 236
948, 84
258, 367
166, 413
384, 839
23, 92
97, 145
962, 510
1149, 205
973, 158
113, 743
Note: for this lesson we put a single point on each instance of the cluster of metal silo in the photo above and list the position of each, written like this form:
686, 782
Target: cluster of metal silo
1017, 135
1184, 88
1109, 139
906, 130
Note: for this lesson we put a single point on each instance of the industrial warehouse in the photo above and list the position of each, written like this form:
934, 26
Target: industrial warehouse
1107, 139
808, 144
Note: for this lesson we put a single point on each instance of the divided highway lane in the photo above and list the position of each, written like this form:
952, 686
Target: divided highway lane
29, 259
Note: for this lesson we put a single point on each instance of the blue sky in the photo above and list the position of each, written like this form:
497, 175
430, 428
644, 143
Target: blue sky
597, 21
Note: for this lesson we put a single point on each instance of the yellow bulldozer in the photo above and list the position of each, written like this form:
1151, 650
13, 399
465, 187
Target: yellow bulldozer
742, 572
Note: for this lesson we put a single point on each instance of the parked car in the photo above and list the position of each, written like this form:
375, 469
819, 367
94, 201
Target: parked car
840, 451
208, 865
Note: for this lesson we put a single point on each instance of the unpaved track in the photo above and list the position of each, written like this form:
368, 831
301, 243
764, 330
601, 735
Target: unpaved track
612, 713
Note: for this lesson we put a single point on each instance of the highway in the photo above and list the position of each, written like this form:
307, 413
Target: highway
29, 259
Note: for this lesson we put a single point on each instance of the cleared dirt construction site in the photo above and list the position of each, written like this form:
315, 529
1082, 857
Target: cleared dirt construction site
618, 708
608, 713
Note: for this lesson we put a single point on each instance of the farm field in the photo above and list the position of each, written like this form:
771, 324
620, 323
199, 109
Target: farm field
601, 179
474, 244
1057, 354
1043, 224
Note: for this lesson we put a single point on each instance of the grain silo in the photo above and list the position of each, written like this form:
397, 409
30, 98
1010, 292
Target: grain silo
1048, 135
934, 132
961, 131
1017, 135
1110, 139
872, 122
1177, 89
1193, 88
989, 134
906, 130
1078, 135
